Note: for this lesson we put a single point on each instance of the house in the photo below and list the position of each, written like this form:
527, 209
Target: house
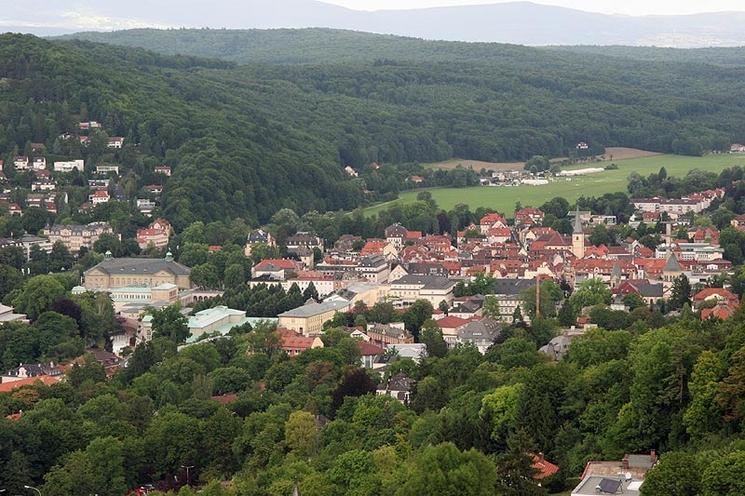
7, 314
721, 311
508, 293
28, 370
308, 319
163, 169
89, 125
398, 386
449, 326
294, 343
491, 221
369, 353
649, 292
256, 237
396, 234
21, 162
158, 233
39, 163
217, 320
385, 334
146, 206
98, 197
75, 236
374, 268
15, 209
415, 351
45, 380
28, 241
107, 169
147, 272
718, 295
277, 269
543, 468
528, 216
610, 477
115, 142
304, 241
737, 148
480, 333
69, 166
325, 285
350, 171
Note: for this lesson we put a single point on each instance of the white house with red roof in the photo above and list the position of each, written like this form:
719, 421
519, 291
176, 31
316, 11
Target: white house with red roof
491, 221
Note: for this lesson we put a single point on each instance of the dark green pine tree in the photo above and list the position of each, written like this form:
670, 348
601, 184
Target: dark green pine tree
681, 293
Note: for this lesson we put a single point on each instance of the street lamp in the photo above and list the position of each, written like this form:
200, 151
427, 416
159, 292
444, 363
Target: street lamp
32, 489
187, 467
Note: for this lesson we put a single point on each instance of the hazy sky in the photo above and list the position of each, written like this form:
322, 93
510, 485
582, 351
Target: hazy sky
629, 7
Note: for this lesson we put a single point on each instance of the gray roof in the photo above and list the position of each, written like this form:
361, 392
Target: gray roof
511, 286
258, 236
426, 280
395, 231
400, 382
372, 261
484, 330
311, 309
672, 264
590, 485
578, 223
115, 266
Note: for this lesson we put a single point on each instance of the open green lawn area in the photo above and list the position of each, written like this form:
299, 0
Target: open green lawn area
503, 199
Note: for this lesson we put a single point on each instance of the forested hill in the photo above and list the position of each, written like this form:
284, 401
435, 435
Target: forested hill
247, 140
321, 46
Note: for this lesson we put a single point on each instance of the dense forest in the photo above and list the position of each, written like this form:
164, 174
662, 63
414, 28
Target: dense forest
248, 140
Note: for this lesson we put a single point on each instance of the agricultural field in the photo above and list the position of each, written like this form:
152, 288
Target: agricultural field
611, 154
503, 199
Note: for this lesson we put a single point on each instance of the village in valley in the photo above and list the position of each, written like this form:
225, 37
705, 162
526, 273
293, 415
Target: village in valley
403, 295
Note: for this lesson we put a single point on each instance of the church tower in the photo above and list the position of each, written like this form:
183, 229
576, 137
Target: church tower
578, 237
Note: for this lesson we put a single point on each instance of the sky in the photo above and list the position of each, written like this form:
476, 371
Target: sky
627, 7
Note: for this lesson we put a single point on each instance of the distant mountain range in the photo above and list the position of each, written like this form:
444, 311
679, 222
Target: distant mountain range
517, 22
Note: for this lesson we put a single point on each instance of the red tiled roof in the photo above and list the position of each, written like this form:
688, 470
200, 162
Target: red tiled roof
46, 380
721, 293
451, 322
282, 263
369, 349
543, 467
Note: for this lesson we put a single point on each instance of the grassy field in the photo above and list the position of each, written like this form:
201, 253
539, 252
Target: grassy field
503, 199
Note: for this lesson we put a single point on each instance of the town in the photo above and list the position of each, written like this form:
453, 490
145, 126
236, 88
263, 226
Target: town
403, 296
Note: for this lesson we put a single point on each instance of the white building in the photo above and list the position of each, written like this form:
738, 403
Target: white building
69, 166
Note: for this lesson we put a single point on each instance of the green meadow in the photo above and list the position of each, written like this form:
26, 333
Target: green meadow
503, 199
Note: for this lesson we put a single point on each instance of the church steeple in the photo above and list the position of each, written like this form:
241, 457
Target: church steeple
578, 236
578, 223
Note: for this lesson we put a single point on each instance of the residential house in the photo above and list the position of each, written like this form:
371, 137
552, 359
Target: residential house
480, 333
398, 386
21, 162
28, 370
157, 234
163, 169
369, 353
115, 142
277, 269
415, 351
98, 197
256, 237
105, 169
304, 241
294, 343
385, 334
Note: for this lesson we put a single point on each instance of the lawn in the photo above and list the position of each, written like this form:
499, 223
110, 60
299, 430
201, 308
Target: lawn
503, 199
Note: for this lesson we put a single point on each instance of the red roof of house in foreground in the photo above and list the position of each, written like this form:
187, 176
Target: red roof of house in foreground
369, 349
46, 380
543, 467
